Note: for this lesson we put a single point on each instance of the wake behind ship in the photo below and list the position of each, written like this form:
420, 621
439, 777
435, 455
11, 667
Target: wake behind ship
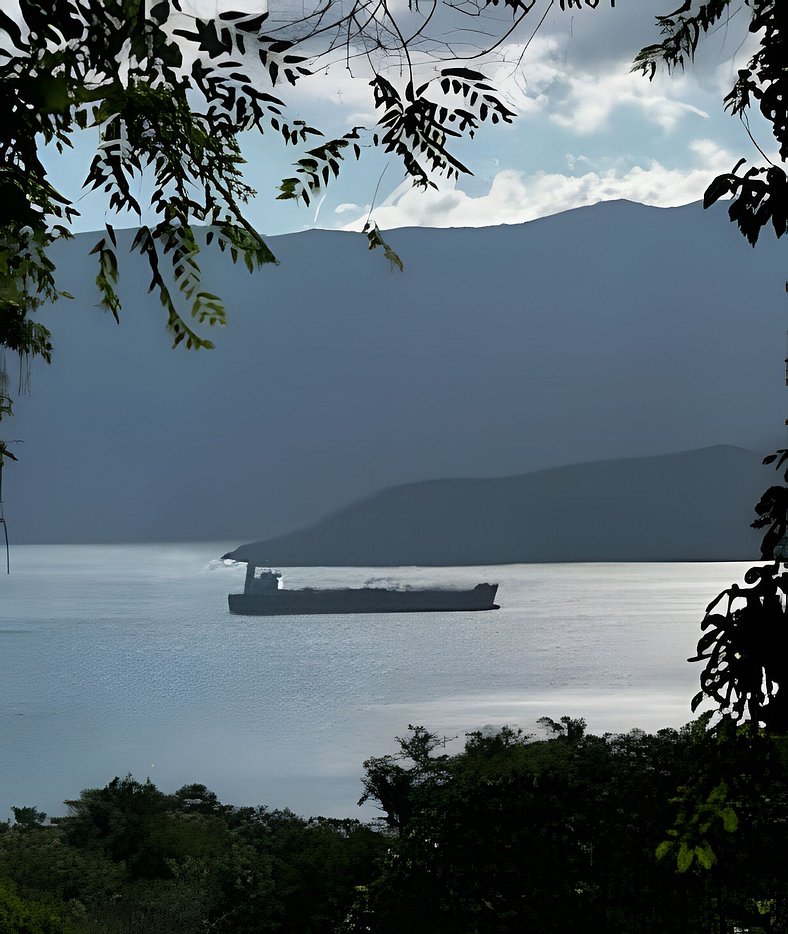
263, 596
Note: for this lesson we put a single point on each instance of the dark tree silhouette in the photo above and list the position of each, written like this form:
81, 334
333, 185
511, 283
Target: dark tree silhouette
745, 639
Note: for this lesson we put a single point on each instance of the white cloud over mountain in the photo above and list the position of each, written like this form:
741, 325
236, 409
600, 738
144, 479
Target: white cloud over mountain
588, 130
515, 197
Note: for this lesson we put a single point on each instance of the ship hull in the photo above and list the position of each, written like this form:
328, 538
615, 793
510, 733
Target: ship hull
363, 600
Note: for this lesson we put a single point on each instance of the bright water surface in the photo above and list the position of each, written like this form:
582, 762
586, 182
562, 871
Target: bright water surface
118, 659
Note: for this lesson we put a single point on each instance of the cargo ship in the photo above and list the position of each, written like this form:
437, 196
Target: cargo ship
264, 596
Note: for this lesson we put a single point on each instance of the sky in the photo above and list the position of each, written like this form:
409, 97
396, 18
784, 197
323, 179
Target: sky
586, 129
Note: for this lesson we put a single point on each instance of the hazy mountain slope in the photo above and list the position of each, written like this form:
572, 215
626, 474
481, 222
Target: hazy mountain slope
610, 331
693, 506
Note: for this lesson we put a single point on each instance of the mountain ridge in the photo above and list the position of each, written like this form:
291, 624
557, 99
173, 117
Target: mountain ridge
616, 330
689, 506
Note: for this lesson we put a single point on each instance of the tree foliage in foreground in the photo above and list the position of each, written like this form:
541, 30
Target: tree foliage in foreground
745, 629
169, 93
760, 193
128, 858
745, 640
668, 832
671, 832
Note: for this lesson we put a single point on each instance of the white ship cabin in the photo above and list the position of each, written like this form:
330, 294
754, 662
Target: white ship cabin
261, 580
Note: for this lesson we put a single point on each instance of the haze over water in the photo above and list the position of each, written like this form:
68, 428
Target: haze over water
117, 659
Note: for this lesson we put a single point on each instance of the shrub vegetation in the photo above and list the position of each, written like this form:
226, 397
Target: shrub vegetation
676, 831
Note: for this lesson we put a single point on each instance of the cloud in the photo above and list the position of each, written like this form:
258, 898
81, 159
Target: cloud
515, 197
591, 101
575, 72
543, 80
548, 73
342, 96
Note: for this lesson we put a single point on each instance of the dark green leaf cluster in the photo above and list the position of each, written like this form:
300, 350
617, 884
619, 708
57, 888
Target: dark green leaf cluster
730, 821
661, 833
763, 80
760, 197
25, 916
772, 509
417, 127
745, 641
760, 194
375, 240
318, 167
656, 833
163, 112
745, 647
682, 31
169, 93
131, 859
688, 842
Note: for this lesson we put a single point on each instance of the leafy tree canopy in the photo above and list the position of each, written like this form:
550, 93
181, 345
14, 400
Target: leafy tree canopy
169, 93
760, 193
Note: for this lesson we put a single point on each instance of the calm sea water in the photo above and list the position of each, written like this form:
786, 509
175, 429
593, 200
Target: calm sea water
120, 659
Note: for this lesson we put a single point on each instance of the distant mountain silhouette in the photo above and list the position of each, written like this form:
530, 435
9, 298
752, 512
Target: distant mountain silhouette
693, 506
617, 330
